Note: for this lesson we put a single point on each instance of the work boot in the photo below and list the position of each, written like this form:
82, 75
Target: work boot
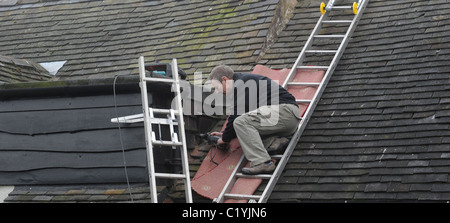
278, 146
267, 167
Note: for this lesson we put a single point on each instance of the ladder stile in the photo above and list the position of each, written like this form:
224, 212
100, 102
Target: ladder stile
148, 131
184, 155
171, 128
330, 5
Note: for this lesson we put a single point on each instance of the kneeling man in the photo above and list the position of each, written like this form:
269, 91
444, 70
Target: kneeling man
262, 110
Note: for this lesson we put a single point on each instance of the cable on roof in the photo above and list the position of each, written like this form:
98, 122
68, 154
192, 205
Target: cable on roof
120, 136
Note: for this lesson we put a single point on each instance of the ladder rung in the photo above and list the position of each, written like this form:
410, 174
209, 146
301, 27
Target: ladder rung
163, 111
170, 175
166, 143
154, 79
161, 121
140, 118
277, 156
258, 176
329, 36
242, 196
128, 119
313, 67
303, 84
341, 7
322, 51
302, 101
337, 21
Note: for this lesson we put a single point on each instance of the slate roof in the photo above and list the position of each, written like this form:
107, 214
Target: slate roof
80, 193
105, 38
381, 130
20, 70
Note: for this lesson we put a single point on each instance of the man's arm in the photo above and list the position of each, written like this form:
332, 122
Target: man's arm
229, 133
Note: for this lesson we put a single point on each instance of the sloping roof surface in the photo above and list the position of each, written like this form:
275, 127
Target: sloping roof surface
105, 38
381, 130
20, 70
80, 193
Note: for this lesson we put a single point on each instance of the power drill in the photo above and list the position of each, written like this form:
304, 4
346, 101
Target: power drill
212, 140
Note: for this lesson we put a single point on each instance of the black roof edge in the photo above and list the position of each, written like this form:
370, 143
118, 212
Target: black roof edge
77, 87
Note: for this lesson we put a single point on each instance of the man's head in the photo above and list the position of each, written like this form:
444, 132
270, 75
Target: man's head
221, 78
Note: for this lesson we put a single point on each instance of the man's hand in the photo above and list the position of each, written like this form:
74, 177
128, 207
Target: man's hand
216, 134
220, 141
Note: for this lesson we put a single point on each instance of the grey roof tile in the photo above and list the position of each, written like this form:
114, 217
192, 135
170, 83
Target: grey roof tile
376, 187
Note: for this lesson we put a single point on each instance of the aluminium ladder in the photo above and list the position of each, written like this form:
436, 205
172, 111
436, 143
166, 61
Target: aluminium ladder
174, 118
358, 9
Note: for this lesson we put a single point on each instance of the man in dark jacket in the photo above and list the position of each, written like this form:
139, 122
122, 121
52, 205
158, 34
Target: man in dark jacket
260, 108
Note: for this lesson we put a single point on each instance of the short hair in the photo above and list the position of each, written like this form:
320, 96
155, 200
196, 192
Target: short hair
220, 71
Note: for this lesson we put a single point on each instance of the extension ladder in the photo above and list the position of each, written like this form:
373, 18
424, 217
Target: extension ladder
358, 9
174, 118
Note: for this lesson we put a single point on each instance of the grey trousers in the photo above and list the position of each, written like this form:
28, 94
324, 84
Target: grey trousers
257, 129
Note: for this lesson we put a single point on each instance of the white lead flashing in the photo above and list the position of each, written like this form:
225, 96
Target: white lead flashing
4, 192
53, 67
